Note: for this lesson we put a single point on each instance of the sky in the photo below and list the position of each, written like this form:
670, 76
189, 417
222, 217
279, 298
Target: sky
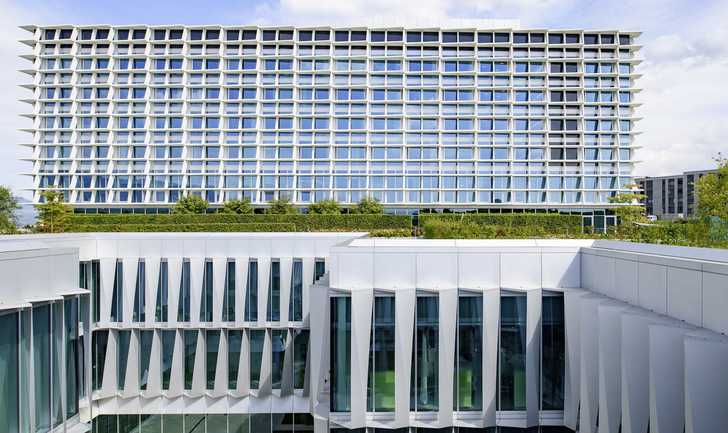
684, 71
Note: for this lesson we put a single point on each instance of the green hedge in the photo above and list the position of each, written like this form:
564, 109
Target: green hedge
302, 222
556, 224
196, 227
434, 229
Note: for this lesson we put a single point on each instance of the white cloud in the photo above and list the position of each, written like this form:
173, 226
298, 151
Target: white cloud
685, 104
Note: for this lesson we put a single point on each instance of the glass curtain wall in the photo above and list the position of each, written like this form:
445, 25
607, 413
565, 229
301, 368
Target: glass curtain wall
183, 307
213, 346
123, 352
278, 347
140, 293
469, 361
274, 293
380, 396
295, 307
74, 357
190, 352
99, 341
251, 293
9, 367
424, 385
56, 360
300, 353
340, 354
228, 301
168, 338
207, 288
553, 349
320, 270
146, 337
95, 290
42, 367
117, 294
162, 309
512, 359
235, 344
257, 343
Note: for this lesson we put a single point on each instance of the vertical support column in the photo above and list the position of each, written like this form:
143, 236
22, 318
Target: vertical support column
197, 272
610, 365
589, 391
706, 382
491, 327
667, 377
219, 269
446, 353
285, 294
174, 266
635, 362
533, 352
404, 324
152, 265
361, 325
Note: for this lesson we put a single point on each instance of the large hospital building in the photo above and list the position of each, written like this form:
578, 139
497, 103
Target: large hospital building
461, 114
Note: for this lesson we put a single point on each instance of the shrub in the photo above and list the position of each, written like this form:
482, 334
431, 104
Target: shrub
191, 204
308, 222
198, 227
369, 205
539, 224
281, 206
237, 206
54, 213
325, 206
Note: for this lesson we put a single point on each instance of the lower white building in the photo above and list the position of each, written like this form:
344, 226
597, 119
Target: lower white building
336, 332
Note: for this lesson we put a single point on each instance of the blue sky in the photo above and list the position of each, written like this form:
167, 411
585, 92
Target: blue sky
685, 67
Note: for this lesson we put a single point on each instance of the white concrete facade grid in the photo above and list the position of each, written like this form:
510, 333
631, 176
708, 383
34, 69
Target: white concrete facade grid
488, 116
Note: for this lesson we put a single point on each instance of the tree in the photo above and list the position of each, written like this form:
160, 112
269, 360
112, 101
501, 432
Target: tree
369, 205
53, 212
629, 210
238, 206
325, 206
8, 206
712, 199
712, 192
190, 204
281, 206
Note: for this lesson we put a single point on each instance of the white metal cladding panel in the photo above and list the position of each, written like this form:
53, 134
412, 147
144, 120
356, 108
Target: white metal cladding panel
715, 301
690, 288
572, 363
626, 278
560, 269
479, 270
635, 362
605, 283
437, 270
395, 270
685, 295
589, 365
706, 382
667, 378
610, 354
521, 269
653, 287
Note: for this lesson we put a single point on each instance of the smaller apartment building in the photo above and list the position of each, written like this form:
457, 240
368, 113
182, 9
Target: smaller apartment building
670, 197
281, 332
